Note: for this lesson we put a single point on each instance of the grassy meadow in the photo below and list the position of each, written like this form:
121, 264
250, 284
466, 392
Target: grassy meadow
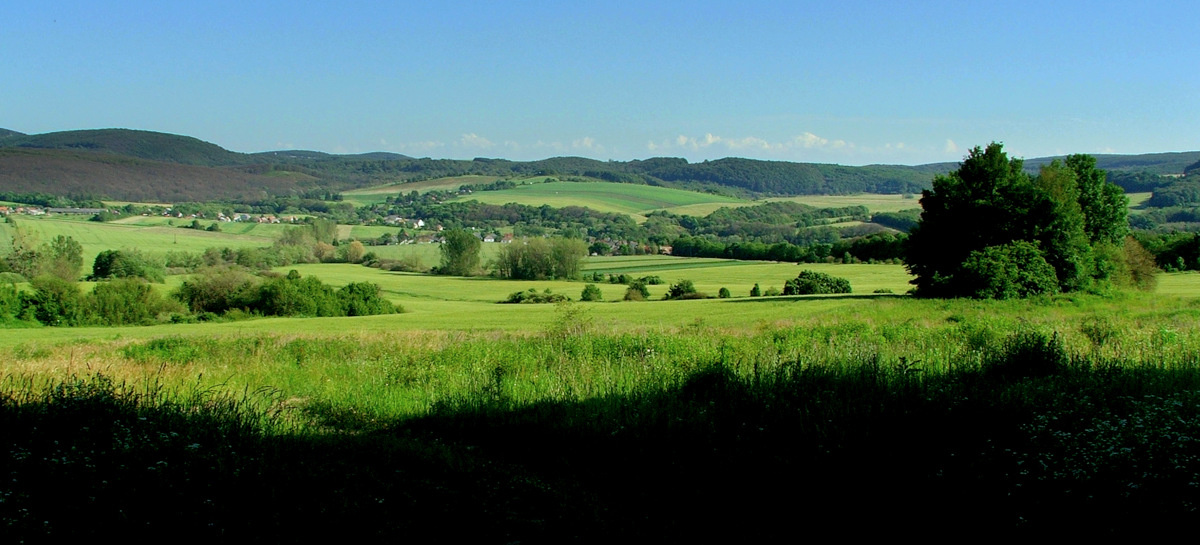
670, 421
635, 200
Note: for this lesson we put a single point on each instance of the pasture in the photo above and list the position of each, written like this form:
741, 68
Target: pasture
632, 199
146, 235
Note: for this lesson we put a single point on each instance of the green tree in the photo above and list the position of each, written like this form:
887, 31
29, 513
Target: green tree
1009, 271
991, 202
460, 253
1103, 204
813, 282
64, 258
683, 289
591, 293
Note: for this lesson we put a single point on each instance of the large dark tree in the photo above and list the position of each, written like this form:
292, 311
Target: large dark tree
991, 203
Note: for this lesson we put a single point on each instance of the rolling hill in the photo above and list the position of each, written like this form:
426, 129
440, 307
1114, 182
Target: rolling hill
133, 165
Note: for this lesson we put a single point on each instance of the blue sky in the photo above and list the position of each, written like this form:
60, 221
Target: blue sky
836, 82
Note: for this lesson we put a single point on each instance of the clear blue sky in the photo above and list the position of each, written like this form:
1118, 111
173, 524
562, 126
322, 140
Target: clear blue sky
839, 82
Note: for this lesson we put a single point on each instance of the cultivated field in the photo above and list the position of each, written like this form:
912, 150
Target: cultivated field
632, 199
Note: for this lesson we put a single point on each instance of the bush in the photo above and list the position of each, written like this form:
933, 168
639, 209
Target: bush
534, 296
755, 291
219, 289
1007, 271
637, 291
127, 301
680, 290
128, 264
591, 293
364, 299
296, 296
54, 301
723, 293
812, 282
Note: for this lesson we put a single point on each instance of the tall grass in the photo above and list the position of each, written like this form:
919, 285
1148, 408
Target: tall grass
930, 417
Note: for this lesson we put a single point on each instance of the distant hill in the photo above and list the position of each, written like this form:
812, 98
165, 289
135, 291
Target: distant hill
155, 146
124, 164
82, 174
1153, 163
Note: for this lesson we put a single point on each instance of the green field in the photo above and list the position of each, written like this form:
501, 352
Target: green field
378, 194
632, 199
152, 236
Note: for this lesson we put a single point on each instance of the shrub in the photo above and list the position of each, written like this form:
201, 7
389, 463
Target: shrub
534, 296
591, 293
296, 296
680, 290
812, 282
54, 301
128, 264
723, 293
755, 291
364, 299
219, 289
637, 291
1013, 270
127, 301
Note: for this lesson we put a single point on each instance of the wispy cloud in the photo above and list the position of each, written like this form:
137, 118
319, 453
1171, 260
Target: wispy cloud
950, 146
805, 140
420, 148
472, 140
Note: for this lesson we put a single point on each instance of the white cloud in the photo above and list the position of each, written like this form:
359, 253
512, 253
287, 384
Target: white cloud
587, 143
805, 140
472, 140
419, 148
950, 147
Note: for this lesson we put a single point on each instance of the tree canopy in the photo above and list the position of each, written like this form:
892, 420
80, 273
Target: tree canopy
460, 253
990, 216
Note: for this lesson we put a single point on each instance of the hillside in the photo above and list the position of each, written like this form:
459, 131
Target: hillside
1153, 163
97, 175
125, 164
155, 146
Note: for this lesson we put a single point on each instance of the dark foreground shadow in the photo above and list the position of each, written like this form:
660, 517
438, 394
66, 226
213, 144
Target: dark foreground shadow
865, 450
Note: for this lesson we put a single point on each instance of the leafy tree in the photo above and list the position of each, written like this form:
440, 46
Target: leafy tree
990, 202
637, 291
1009, 271
591, 293
1104, 205
127, 264
539, 258
353, 252
723, 293
683, 289
63, 258
460, 253
364, 299
55, 301
813, 282
126, 301
218, 289
755, 291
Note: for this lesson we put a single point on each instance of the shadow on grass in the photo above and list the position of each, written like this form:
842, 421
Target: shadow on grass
850, 296
870, 448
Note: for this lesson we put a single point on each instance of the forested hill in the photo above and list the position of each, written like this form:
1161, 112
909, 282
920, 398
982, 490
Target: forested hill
124, 164
1152, 163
